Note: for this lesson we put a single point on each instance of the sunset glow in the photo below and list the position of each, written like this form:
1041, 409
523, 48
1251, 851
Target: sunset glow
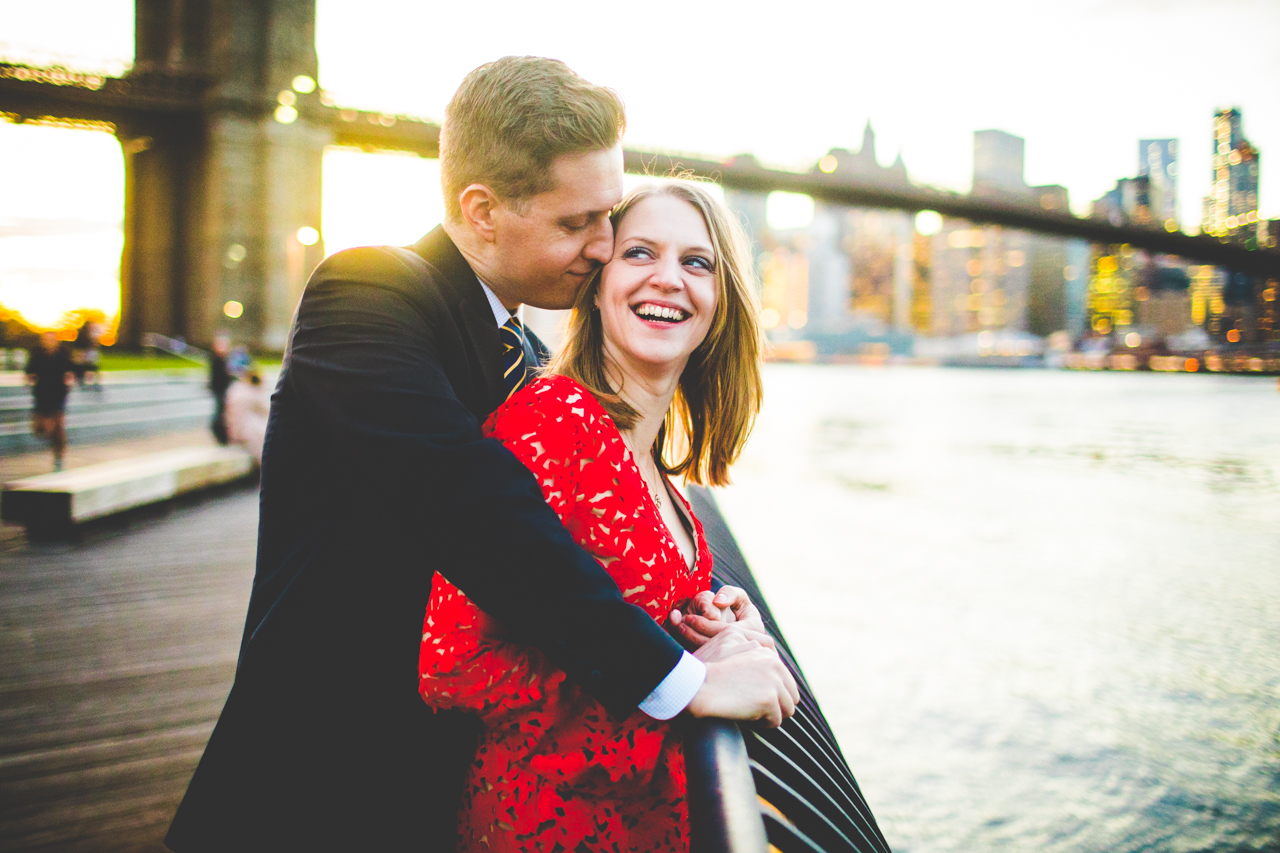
60, 228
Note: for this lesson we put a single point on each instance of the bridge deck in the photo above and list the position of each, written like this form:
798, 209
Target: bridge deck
115, 657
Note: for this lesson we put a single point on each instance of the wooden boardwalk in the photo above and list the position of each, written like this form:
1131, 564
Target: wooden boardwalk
116, 654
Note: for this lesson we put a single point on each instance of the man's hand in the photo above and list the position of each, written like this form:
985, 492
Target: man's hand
708, 615
746, 680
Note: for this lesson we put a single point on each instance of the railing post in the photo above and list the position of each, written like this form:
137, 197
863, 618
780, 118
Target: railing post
724, 813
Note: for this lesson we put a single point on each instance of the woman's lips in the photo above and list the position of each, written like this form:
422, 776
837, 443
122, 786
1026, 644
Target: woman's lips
660, 313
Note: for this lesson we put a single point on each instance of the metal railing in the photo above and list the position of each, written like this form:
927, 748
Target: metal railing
173, 346
724, 811
802, 795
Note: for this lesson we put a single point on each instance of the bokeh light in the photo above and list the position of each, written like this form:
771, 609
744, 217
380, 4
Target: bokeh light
787, 211
928, 222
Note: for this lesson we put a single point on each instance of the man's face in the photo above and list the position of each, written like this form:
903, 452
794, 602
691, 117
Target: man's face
546, 253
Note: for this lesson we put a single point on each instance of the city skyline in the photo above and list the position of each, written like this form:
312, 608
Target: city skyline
772, 76
365, 199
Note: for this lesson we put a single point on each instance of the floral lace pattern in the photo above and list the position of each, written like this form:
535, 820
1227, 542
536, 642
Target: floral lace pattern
554, 770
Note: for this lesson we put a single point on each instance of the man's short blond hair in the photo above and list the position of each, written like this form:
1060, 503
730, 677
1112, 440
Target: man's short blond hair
511, 119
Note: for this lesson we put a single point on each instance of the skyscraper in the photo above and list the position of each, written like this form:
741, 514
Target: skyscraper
998, 163
987, 278
1158, 162
1231, 208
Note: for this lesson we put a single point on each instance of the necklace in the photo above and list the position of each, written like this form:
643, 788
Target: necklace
648, 484
653, 493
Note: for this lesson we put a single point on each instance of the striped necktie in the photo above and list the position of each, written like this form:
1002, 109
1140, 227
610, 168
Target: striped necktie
515, 371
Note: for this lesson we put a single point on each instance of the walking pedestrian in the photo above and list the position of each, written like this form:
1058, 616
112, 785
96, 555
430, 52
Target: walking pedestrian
85, 355
50, 372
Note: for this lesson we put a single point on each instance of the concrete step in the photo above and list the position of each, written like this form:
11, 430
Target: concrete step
51, 504
127, 403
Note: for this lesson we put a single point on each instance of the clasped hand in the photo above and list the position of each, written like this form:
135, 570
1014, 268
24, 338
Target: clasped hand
746, 680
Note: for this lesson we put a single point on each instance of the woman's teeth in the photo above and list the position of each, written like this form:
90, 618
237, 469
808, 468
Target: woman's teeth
660, 312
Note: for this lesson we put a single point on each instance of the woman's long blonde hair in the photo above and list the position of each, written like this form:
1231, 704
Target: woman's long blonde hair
721, 388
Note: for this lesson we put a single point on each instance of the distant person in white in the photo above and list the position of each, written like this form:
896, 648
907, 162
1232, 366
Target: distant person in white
247, 410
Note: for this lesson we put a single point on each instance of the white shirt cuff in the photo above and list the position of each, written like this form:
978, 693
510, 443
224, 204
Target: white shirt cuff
677, 690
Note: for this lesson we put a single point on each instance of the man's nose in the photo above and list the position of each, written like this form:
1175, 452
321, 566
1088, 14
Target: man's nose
599, 247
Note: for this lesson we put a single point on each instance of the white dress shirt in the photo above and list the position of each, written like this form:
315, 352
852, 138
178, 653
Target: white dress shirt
677, 690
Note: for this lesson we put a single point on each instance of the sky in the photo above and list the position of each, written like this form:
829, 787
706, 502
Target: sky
1081, 80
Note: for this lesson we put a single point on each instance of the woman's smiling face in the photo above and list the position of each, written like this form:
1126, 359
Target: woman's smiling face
657, 296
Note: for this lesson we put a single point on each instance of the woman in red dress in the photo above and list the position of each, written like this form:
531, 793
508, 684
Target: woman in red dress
660, 375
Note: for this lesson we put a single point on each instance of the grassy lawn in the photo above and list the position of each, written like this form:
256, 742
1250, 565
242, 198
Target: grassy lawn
164, 361
145, 361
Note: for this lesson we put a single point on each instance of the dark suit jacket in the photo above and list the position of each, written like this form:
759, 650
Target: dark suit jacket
375, 476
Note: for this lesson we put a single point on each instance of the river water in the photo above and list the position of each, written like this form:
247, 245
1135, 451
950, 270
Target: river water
1041, 609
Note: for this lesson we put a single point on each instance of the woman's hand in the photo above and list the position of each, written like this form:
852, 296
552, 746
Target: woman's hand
706, 615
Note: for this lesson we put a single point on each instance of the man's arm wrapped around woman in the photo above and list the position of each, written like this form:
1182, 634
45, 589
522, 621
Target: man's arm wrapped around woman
464, 662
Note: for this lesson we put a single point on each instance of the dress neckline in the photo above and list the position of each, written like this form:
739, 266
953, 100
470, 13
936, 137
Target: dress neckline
629, 458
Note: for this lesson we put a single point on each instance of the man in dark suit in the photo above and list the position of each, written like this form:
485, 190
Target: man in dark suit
375, 475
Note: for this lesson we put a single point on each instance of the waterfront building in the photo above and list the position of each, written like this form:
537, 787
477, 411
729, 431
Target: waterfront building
1269, 234
1158, 163
988, 278
998, 161
847, 278
921, 297
1268, 304
1232, 307
1231, 208
1110, 296
1207, 304
861, 259
979, 279
1269, 311
1128, 203
782, 264
785, 292
1135, 298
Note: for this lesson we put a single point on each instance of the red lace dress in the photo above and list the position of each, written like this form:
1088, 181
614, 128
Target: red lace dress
554, 770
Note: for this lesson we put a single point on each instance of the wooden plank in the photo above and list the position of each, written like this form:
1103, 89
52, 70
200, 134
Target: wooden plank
116, 654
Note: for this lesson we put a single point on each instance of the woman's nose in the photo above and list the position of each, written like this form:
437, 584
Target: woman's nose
666, 274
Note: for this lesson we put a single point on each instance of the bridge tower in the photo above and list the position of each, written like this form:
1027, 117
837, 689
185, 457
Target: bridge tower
216, 193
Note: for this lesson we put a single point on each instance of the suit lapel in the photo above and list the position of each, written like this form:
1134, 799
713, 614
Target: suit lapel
477, 317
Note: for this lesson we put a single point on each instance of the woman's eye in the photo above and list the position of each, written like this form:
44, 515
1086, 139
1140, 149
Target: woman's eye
636, 252
701, 263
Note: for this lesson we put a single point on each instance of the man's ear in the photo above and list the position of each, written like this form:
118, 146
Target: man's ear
479, 203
